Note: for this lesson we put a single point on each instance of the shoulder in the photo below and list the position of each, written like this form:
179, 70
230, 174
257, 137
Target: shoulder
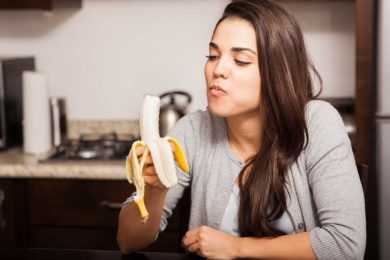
327, 133
320, 111
191, 121
197, 121
322, 118
195, 132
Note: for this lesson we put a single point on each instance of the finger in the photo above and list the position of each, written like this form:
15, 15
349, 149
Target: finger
191, 237
149, 170
139, 150
188, 240
148, 166
154, 182
151, 179
194, 248
148, 160
192, 232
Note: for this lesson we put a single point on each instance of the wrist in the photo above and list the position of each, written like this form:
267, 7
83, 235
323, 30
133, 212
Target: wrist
155, 189
248, 247
239, 247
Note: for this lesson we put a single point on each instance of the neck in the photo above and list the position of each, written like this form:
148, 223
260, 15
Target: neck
244, 135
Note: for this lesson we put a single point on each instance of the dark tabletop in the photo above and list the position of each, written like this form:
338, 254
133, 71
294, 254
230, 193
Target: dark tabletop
68, 254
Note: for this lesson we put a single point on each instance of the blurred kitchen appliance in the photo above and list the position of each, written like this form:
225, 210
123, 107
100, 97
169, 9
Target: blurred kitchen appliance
36, 113
11, 99
383, 128
173, 110
58, 120
109, 146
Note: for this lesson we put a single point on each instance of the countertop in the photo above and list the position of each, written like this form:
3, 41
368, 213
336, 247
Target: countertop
15, 164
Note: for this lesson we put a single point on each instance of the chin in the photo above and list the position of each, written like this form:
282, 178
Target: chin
226, 111
219, 110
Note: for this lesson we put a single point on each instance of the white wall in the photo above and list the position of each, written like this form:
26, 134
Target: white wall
104, 57
329, 29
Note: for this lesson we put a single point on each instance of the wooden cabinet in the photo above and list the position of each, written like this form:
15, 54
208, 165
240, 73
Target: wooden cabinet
365, 109
13, 221
74, 214
7, 215
39, 4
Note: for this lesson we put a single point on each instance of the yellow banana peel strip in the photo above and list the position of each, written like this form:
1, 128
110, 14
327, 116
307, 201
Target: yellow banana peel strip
180, 156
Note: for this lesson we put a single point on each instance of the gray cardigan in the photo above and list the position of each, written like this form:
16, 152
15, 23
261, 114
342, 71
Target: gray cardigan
324, 194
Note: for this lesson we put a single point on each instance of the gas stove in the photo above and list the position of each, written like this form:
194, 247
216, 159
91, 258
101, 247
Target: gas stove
94, 147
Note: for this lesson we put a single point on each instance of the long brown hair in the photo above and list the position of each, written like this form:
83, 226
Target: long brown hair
286, 87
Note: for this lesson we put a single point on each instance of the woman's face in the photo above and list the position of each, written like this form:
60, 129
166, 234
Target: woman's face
232, 70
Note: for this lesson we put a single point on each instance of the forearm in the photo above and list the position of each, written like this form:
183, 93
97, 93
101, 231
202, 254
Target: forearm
296, 246
133, 234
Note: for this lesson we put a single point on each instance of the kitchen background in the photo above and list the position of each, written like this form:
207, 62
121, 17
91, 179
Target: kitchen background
105, 56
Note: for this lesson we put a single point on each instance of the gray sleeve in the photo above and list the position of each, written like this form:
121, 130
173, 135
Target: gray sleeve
336, 189
184, 132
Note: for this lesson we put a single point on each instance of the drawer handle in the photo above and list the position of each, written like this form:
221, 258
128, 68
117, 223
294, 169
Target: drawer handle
111, 205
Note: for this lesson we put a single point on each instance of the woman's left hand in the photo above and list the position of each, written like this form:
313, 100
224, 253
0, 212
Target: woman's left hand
211, 243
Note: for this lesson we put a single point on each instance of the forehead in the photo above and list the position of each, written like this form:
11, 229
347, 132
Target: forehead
235, 32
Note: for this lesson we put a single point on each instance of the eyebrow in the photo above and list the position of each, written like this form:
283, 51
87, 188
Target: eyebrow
234, 49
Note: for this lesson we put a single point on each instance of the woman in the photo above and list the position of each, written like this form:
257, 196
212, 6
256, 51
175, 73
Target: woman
272, 170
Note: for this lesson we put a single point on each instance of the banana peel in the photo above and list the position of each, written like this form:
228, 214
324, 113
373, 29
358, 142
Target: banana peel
161, 152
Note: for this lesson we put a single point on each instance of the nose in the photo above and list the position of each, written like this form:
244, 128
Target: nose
221, 69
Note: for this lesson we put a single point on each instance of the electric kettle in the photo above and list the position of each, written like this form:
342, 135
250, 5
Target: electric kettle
171, 110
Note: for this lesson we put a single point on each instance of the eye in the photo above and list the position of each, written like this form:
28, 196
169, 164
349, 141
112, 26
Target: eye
211, 57
242, 63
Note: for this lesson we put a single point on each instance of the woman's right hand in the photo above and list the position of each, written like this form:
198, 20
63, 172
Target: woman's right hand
149, 172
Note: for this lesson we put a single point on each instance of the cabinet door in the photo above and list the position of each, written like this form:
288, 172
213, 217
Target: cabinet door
76, 203
7, 225
84, 214
13, 224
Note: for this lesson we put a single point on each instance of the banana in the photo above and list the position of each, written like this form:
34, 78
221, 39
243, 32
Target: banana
160, 150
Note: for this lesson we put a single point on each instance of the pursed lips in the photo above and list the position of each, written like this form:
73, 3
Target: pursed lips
217, 87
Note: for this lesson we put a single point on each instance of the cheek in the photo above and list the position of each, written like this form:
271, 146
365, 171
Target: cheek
253, 78
208, 72
250, 87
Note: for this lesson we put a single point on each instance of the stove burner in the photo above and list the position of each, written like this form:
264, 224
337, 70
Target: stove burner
87, 154
93, 146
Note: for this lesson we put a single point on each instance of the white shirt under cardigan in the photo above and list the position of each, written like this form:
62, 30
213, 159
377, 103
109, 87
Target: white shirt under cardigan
229, 222
323, 191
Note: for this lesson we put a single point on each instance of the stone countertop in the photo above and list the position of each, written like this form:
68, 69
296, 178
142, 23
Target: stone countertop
15, 164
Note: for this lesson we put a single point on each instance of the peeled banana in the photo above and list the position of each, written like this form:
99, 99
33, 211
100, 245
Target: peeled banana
160, 150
